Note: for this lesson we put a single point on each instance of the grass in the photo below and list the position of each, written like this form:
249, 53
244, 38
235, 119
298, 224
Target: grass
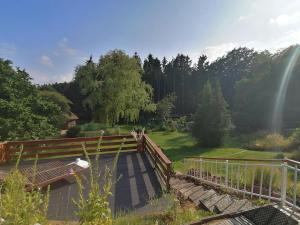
174, 214
178, 145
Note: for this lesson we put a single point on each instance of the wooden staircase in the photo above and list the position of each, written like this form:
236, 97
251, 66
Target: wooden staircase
229, 210
208, 199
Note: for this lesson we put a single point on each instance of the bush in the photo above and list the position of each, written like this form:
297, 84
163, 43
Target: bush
19, 207
73, 132
270, 142
94, 209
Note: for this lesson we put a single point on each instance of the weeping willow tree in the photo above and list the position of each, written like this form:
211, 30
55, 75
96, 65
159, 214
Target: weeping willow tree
114, 89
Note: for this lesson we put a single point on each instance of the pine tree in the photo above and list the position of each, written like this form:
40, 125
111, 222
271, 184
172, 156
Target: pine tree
212, 119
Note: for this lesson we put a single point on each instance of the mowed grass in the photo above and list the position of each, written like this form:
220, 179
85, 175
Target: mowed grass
178, 145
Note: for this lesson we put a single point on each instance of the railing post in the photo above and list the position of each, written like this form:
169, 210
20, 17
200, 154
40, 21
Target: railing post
201, 169
283, 183
4, 153
168, 176
226, 173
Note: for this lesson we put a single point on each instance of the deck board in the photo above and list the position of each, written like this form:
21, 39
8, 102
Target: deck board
135, 182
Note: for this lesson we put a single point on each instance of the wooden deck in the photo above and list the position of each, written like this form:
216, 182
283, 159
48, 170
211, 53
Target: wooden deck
135, 182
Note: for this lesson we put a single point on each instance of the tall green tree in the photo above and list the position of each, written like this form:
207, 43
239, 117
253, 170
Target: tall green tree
114, 88
24, 113
62, 102
212, 119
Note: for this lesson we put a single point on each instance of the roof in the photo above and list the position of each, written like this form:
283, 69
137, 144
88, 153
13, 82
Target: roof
72, 116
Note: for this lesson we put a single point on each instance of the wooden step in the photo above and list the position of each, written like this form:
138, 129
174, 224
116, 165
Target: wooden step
191, 191
196, 194
174, 181
178, 182
186, 189
206, 196
223, 203
239, 206
210, 204
180, 186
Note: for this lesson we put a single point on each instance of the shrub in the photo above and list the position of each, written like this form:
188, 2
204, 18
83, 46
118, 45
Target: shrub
94, 209
19, 207
270, 142
73, 132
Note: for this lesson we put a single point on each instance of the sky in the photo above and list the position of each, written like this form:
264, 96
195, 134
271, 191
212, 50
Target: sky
49, 38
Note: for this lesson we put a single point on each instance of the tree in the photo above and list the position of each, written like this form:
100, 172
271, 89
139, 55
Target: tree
165, 107
153, 75
212, 119
114, 88
62, 102
232, 67
24, 114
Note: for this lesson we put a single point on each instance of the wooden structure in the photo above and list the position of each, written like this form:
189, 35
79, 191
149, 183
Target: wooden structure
70, 147
72, 120
47, 173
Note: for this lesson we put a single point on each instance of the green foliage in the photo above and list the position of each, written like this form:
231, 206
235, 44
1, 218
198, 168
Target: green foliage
94, 209
165, 107
174, 214
275, 141
61, 101
270, 142
73, 132
212, 118
24, 113
20, 207
114, 88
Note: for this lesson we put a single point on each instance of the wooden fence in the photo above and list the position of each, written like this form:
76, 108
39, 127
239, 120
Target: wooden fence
70, 147
161, 162
65, 147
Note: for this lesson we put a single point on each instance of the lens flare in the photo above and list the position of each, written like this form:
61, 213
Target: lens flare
280, 98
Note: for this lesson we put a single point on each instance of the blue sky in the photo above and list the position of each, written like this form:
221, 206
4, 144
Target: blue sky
49, 38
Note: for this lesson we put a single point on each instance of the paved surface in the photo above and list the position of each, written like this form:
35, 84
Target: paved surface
135, 183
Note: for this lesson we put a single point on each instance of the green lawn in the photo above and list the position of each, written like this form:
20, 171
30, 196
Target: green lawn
177, 145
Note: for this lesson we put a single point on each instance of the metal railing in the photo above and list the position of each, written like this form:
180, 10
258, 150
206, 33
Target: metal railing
274, 180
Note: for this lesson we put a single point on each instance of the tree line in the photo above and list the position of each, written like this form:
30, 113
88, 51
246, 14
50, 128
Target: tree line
249, 82
119, 88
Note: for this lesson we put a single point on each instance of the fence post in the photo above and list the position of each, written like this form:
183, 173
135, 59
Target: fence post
168, 176
201, 170
4, 153
283, 183
226, 174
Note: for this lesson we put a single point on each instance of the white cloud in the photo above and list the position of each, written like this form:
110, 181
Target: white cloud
285, 19
65, 48
242, 18
46, 60
43, 78
7, 49
216, 51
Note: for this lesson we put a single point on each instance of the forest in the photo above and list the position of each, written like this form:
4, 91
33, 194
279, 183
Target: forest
118, 88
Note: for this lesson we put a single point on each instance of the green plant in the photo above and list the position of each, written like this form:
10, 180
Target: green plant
18, 206
273, 141
94, 209
212, 118
73, 132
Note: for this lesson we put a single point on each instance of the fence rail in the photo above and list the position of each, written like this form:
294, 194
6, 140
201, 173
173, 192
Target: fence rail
159, 159
70, 147
65, 147
272, 179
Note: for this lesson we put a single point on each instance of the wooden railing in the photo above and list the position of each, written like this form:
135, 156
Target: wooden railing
65, 147
70, 147
160, 161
